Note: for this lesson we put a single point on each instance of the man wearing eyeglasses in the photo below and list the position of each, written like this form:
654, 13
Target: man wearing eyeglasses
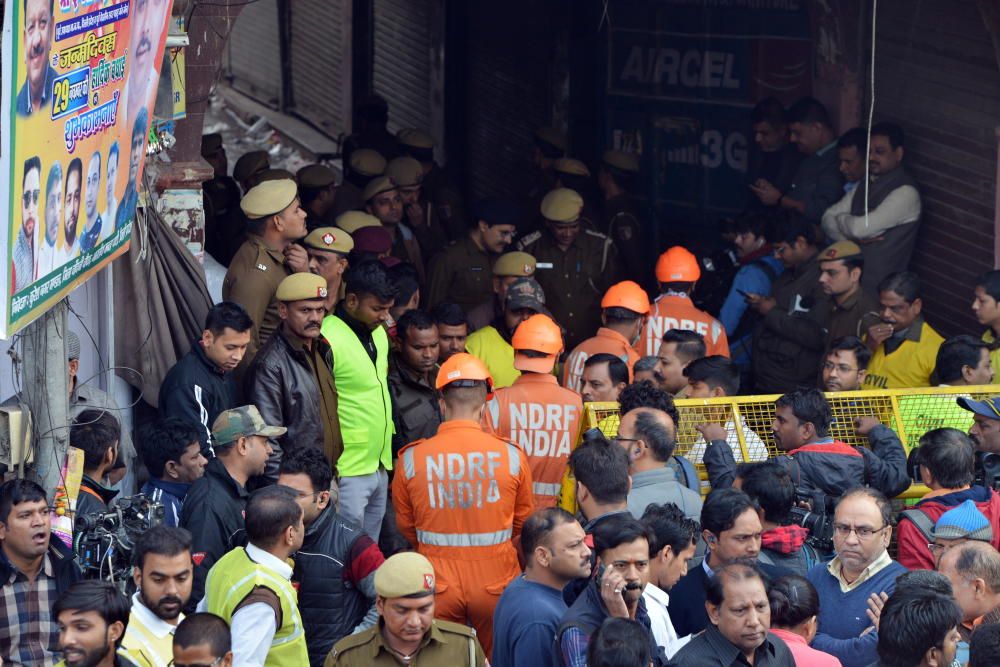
23, 269
854, 585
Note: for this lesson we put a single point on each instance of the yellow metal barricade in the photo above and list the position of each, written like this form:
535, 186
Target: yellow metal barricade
747, 420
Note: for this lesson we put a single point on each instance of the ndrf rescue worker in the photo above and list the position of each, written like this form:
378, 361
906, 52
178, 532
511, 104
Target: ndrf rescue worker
461, 497
535, 412
623, 315
677, 271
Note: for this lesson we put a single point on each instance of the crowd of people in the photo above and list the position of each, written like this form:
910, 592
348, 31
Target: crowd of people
367, 458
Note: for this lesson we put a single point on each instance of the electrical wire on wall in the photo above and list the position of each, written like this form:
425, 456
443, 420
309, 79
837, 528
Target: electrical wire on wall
871, 109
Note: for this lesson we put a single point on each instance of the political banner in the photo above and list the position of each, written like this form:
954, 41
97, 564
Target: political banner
80, 80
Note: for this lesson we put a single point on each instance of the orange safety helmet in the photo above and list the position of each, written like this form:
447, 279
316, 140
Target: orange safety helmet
677, 265
464, 368
541, 334
628, 295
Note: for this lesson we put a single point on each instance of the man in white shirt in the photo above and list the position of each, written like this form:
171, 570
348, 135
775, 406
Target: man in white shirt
673, 544
719, 377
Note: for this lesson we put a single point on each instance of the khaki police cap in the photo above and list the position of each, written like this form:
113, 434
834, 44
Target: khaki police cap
415, 138
367, 162
406, 573
621, 160
405, 171
840, 250
249, 164
268, 198
211, 144
315, 176
562, 205
552, 136
378, 186
519, 264
329, 239
567, 165
301, 287
352, 221
242, 422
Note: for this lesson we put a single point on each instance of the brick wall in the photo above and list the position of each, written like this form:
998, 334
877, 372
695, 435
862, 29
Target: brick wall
936, 75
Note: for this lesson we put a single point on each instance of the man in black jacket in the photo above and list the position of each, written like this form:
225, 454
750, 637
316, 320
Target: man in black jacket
34, 571
291, 381
95, 433
199, 386
335, 568
821, 466
214, 507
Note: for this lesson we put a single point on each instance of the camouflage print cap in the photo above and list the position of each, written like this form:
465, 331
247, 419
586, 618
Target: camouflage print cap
242, 422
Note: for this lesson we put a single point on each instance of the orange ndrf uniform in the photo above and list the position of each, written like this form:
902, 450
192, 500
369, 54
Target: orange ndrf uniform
606, 340
672, 311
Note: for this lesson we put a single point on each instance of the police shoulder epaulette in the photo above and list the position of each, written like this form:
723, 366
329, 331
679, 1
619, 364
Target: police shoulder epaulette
529, 239
599, 235
355, 640
455, 628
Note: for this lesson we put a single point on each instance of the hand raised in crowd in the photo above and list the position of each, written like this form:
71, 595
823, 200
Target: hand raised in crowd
711, 431
766, 192
612, 587
297, 258
864, 425
761, 304
878, 333
875, 603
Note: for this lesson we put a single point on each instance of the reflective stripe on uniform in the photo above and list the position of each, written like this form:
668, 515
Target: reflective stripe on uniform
463, 539
408, 468
493, 405
543, 489
514, 459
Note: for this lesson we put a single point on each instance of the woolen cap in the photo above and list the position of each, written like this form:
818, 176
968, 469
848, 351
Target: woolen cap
352, 221
242, 422
316, 176
964, 521
211, 144
377, 186
249, 164
406, 573
514, 264
840, 250
329, 239
405, 171
301, 287
621, 160
376, 240
268, 198
567, 165
367, 162
526, 293
415, 138
562, 205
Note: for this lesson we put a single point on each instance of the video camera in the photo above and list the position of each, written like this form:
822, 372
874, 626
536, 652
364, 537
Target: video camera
988, 470
104, 541
819, 521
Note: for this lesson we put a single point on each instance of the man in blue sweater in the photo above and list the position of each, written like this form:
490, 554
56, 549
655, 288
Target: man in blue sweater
532, 606
861, 571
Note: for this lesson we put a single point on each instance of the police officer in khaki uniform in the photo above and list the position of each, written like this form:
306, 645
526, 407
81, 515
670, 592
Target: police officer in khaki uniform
509, 267
275, 220
419, 213
248, 165
575, 267
384, 201
352, 221
461, 274
318, 192
616, 179
407, 632
439, 190
328, 248
223, 218
363, 165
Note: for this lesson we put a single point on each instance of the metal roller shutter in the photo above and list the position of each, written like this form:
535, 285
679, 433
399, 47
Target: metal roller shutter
253, 56
320, 47
401, 71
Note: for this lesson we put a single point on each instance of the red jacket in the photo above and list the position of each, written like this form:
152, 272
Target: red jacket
913, 552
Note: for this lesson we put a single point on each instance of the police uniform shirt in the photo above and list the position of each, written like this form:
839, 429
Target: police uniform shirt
448, 644
252, 281
462, 274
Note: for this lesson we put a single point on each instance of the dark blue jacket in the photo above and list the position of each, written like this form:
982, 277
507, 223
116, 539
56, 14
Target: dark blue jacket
170, 495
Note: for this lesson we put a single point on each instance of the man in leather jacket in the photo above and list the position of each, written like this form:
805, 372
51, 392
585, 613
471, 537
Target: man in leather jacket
290, 381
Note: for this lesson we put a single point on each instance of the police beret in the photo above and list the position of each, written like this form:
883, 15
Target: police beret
840, 250
496, 211
367, 162
562, 205
268, 198
300, 287
352, 221
621, 160
316, 176
249, 164
567, 165
329, 239
378, 186
375, 240
415, 139
405, 171
211, 144
514, 264
551, 136
406, 573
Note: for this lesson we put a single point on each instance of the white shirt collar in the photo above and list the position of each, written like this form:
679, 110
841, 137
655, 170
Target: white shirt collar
271, 561
657, 593
156, 625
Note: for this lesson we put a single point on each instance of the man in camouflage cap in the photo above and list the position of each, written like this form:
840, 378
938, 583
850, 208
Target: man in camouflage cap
509, 267
405, 587
291, 380
576, 267
213, 508
492, 344
328, 248
318, 192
